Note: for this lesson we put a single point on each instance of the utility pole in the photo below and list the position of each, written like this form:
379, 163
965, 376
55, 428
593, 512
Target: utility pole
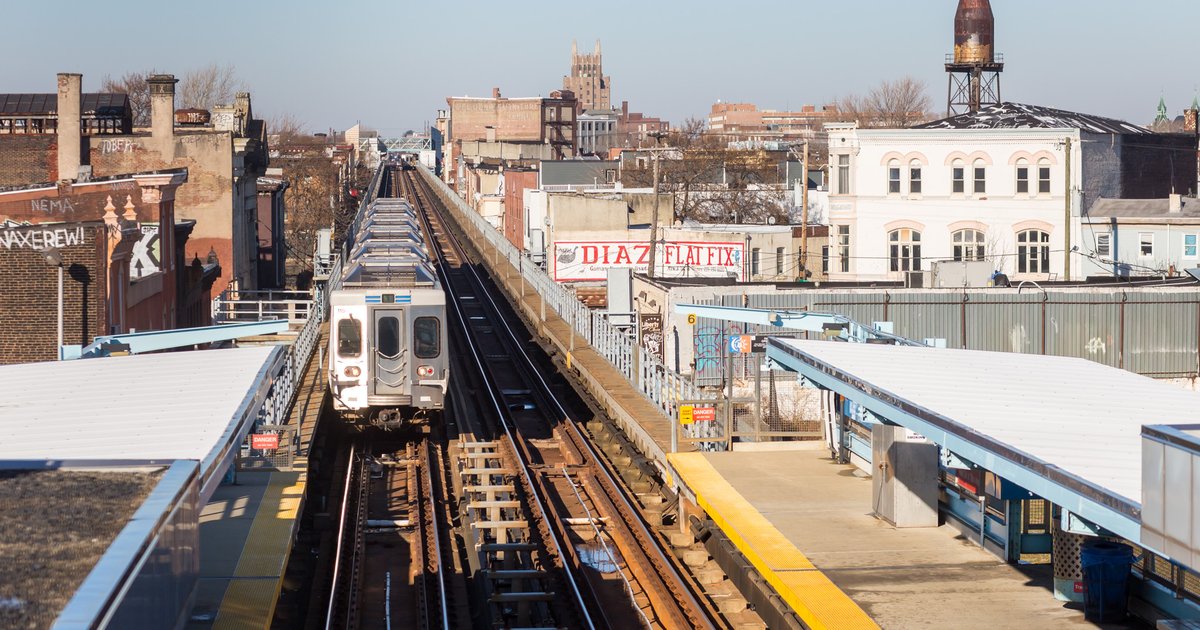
1067, 217
804, 215
654, 218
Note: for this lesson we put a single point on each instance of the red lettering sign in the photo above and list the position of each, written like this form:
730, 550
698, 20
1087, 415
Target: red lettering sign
264, 441
704, 414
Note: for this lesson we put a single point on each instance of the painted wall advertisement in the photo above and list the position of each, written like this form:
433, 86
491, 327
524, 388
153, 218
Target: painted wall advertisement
577, 261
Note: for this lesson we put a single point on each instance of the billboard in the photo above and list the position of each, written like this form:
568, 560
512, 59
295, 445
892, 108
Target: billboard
578, 261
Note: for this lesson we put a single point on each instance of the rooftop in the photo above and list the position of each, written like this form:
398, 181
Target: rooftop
1144, 208
1020, 116
95, 104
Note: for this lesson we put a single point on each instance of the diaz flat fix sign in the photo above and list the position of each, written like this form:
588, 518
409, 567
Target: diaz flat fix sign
576, 261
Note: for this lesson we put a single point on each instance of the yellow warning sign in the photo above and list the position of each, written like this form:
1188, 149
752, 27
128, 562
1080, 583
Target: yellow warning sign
686, 414
691, 319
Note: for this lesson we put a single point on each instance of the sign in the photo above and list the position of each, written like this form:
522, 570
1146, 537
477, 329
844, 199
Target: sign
759, 344
740, 344
704, 414
686, 414
577, 261
652, 333
264, 441
691, 319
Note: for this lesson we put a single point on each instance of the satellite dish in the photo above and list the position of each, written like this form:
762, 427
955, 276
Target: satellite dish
771, 220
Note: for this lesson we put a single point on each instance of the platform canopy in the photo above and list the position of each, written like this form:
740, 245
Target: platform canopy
141, 408
1066, 429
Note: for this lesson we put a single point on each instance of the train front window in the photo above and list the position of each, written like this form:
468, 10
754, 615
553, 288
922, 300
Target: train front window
427, 338
349, 335
387, 336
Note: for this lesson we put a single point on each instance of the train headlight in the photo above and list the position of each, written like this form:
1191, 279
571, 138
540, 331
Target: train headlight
424, 370
352, 371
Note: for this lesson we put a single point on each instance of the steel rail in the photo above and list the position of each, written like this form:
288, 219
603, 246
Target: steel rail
684, 592
341, 538
558, 544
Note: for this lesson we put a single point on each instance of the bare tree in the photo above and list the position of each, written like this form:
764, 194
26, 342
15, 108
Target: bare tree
903, 102
134, 86
209, 86
285, 128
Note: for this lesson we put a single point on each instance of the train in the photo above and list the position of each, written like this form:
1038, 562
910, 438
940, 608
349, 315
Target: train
388, 363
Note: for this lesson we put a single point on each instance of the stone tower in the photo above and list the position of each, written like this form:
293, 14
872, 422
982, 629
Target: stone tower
587, 80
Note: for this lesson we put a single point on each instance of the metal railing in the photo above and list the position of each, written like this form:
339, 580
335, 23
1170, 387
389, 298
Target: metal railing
645, 371
252, 306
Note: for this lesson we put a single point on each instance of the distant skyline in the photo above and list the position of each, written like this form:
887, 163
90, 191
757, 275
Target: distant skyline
391, 64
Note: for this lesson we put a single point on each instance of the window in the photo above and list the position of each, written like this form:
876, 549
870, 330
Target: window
349, 335
844, 247
1104, 244
1146, 244
843, 174
1189, 246
914, 178
824, 259
904, 247
387, 337
779, 260
610, 175
980, 178
1022, 177
427, 337
1043, 177
968, 245
755, 259
958, 173
1033, 252
893, 178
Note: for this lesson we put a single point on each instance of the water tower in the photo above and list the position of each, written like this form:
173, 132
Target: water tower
974, 67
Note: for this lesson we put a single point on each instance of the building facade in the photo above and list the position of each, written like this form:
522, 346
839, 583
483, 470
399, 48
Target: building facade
588, 81
746, 124
1142, 237
996, 185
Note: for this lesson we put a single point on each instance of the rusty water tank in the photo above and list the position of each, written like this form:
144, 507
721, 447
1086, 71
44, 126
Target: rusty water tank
974, 32
192, 116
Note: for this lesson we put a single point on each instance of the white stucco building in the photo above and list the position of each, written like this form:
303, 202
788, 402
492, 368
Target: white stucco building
989, 185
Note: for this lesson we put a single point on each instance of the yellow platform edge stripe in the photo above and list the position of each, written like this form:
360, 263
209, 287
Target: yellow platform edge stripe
250, 603
809, 592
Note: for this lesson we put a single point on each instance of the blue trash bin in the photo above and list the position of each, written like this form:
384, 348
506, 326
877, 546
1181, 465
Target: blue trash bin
1106, 580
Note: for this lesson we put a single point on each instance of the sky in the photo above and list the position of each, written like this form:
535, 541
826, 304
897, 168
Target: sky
390, 64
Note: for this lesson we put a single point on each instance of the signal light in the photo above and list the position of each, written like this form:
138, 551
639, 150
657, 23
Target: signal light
352, 371
424, 370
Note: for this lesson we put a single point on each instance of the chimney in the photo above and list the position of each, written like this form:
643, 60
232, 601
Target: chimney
1175, 205
495, 92
70, 137
1189, 119
162, 112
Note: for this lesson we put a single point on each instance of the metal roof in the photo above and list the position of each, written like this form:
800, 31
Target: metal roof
1143, 208
97, 104
151, 407
1073, 423
1021, 116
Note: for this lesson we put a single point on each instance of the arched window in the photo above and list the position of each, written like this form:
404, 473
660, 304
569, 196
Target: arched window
894, 177
904, 249
968, 245
958, 174
1022, 177
979, 177
1043, 176
1033, 252
914, 178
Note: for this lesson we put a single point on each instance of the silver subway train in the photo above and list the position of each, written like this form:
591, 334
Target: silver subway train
388, 362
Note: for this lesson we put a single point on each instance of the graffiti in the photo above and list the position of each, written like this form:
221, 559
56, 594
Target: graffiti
50, 206
118, 145
1095, 345
710, 343
40, 238
652, 334
144, 260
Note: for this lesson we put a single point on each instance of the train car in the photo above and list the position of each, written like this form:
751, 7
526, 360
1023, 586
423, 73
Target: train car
388, 363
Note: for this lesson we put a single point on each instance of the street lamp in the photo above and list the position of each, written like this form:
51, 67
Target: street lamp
53, 257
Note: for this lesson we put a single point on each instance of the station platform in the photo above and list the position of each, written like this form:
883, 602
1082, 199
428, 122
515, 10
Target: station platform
804, 522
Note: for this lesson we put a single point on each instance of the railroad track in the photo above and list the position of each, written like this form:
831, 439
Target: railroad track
581, 555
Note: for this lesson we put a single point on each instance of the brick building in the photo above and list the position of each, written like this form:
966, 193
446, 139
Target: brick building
224, 158
745, 123
122, 258
587, 80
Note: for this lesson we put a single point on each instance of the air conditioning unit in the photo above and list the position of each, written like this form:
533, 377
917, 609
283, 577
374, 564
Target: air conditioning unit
914, 279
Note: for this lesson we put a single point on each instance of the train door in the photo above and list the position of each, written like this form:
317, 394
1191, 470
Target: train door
391, 353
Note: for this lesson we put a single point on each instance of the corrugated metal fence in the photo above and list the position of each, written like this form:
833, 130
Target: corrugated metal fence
1155, 332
